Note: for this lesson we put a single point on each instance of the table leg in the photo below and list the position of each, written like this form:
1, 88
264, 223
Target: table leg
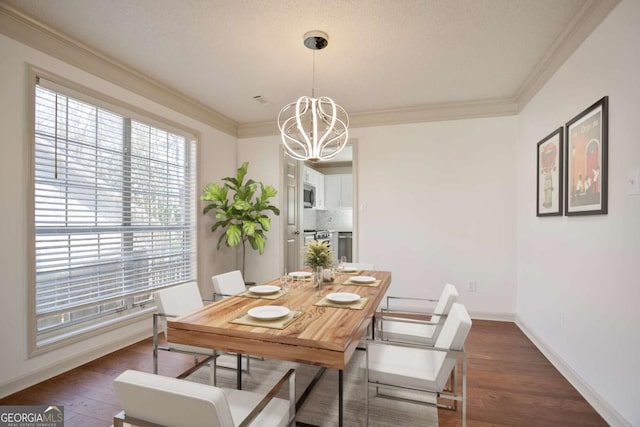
239, 372
340, 397
373, 327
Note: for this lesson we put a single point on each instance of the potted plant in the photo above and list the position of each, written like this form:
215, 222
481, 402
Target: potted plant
319, 254
241, 211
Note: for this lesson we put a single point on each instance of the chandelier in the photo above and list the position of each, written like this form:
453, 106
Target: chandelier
313, 128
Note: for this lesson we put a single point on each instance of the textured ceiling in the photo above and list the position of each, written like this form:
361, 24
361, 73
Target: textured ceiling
382, 54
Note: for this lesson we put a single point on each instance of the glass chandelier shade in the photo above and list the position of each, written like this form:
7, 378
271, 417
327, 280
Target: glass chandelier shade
313, 128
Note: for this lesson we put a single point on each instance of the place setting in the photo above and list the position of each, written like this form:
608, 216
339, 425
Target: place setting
301, 275
268, 316
271, 292
343, 300
362, 281
348, 269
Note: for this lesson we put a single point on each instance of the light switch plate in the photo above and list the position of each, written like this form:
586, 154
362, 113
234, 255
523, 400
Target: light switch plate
633, 181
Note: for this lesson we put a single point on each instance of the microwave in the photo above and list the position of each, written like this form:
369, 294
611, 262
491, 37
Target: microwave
309, 196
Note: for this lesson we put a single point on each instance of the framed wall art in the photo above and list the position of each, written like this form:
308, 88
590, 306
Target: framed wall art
586, 161
549, 181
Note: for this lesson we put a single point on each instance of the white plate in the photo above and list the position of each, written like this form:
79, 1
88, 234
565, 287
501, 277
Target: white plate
363, 279
264, 289
349, 269
268, 312
301, 274
343, 297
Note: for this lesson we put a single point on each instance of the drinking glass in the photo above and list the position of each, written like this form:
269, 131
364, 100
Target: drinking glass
341, 265
285, 282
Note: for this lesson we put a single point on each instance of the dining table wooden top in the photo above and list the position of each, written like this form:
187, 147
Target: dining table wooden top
323, 336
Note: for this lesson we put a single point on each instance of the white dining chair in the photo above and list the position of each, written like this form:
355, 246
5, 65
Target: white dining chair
153, 400
224, 286
173, 302
401, 324
227, 284
392, 366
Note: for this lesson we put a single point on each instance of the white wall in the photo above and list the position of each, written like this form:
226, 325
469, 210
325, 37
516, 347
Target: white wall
439, 204
579, 277
217, 158
265, 162
440, 201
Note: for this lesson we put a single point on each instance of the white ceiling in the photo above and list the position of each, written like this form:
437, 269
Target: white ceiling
382, 54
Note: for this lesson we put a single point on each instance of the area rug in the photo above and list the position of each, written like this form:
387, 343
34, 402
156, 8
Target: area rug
321, 408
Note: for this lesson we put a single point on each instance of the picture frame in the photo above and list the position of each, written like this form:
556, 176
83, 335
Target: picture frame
549, 169
586, 161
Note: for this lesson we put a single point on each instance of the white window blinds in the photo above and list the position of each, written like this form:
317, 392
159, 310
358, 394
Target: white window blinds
114, 212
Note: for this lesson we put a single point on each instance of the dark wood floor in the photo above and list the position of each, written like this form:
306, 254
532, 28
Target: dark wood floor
510, 383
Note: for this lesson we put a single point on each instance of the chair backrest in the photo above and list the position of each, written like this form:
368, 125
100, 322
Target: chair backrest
230, 283
452, 336
171, 401
448, 296
360, 265
178, 300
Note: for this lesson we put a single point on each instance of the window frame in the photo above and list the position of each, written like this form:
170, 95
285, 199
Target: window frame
115, 105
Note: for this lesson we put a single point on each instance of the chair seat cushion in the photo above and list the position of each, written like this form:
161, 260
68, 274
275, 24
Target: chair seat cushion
181, 403
242, 402
170, 401
418, 333
410, 367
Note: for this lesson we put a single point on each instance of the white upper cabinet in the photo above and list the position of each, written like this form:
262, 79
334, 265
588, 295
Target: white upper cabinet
338, 191
306, 175
315, 178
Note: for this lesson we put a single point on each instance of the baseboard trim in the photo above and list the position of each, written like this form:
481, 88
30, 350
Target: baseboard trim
602, 407
488, 315
65, 365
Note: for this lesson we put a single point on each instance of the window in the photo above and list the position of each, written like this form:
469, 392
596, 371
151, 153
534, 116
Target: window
114, 212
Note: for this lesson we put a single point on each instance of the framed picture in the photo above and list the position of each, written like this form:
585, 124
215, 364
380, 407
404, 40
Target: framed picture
586, 161
549, 184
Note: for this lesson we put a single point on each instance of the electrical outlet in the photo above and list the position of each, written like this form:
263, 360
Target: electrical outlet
473, 286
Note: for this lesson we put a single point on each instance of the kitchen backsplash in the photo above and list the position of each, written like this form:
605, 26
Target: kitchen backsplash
341, 220
309, 219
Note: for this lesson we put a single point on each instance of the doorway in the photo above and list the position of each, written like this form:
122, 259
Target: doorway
335, 209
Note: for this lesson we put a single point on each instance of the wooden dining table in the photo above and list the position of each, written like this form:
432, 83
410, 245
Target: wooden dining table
322, 336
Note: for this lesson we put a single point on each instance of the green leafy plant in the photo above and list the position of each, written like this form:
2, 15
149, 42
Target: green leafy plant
318, 254
241, 211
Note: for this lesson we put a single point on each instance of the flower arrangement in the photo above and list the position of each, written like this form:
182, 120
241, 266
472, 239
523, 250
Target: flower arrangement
318, 254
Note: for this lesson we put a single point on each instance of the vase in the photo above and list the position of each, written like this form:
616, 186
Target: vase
318, 274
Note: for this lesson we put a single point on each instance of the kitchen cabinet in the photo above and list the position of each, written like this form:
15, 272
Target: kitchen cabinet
316, 179
306, 175
338, 191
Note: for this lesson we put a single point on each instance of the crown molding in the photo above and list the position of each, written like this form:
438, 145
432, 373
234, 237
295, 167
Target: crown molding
31, 32
417, 114
26, 30
592, 13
